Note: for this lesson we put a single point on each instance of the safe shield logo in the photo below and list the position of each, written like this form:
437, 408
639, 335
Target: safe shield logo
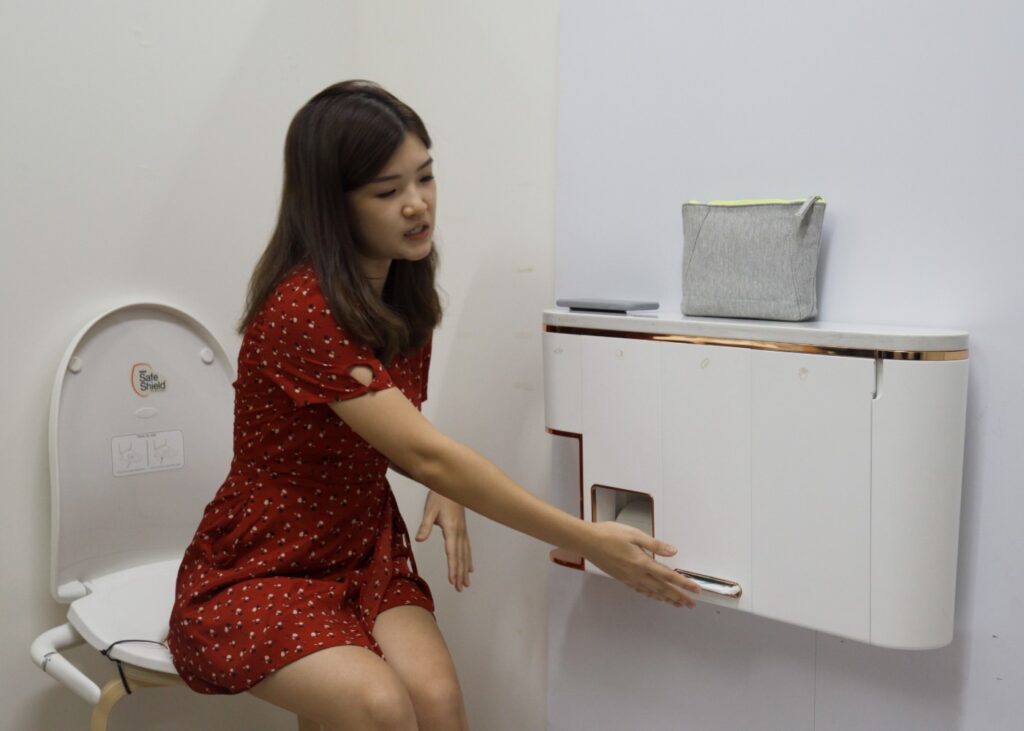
145, 380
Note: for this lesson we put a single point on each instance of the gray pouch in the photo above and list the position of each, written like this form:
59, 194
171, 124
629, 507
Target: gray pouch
756, 259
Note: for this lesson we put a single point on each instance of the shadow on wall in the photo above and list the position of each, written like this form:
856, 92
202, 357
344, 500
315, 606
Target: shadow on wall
670, 661
486, 392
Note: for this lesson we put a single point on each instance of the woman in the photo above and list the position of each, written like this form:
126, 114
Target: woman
300, 585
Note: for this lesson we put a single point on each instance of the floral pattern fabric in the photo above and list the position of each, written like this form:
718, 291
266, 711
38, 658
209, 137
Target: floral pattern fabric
302, 547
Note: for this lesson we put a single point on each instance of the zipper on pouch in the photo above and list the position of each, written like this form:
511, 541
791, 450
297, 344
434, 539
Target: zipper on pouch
801, 212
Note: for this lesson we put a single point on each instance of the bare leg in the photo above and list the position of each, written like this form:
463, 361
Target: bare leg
343, 688
415, 649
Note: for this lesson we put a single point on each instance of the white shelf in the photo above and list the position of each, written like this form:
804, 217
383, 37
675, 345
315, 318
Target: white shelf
821, 334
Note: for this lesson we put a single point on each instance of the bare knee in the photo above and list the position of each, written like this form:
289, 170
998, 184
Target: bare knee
387, 707
444, 695
343, 688
439, 704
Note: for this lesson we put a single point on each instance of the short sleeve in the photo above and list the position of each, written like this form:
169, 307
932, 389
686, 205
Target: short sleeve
304, 350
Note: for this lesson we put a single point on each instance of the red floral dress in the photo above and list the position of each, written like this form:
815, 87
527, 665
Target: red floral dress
303, 545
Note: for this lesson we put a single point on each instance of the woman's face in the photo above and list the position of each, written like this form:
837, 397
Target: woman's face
394, 212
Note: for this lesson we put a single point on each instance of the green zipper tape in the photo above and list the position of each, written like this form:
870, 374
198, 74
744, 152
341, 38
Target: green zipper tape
758, 202
807, 203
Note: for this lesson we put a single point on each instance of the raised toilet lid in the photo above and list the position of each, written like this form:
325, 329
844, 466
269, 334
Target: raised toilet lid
140, 440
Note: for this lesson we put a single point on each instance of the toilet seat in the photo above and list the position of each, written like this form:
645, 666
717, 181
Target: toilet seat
132, 604
140, 439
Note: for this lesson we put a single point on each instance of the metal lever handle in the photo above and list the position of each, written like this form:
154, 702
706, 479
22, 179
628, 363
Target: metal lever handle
722, 587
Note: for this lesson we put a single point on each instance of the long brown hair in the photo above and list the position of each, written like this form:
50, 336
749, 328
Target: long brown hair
339, 141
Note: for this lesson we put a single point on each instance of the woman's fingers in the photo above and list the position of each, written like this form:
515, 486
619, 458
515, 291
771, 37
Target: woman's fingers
678, 579
660, 548
628, 554
467, 560
451, 518
459, 555
429, 516
451, 550
666, 591
463, 566
652, 587
453, 564
665, 574
661, 594
641, 571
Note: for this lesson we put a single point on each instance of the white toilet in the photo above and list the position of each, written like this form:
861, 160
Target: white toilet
140, 439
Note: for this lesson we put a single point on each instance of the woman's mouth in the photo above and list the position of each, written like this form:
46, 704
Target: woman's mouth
419, 233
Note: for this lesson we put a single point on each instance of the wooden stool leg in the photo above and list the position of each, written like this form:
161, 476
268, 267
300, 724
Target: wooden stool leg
139, 678
112, 693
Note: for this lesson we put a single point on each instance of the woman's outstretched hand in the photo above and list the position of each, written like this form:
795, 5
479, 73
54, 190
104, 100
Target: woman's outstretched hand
451, 518
625, 553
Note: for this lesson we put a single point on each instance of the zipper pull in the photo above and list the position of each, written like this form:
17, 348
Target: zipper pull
807, 206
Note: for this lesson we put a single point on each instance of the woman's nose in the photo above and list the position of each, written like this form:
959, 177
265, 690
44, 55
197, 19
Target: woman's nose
414, 207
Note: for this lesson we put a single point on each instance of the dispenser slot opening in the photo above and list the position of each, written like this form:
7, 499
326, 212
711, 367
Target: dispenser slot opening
624, 506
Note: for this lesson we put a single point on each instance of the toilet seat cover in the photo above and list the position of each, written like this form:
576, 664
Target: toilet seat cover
129, 605
140, 440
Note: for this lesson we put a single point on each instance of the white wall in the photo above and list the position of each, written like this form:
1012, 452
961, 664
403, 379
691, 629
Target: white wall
141, 156
906, 117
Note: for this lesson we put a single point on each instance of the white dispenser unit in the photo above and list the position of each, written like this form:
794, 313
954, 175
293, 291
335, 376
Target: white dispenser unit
808, 472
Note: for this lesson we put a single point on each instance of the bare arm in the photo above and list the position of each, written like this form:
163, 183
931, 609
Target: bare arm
393, 426
397, 469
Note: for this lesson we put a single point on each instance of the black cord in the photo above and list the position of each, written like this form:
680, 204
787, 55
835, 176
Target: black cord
120, 667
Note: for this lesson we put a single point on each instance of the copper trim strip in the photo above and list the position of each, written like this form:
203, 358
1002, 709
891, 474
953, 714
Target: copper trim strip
560, 433
924, 355
562, 557
579, 438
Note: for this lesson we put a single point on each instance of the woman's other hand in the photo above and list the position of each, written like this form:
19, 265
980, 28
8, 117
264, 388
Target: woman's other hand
451, 518
625, 553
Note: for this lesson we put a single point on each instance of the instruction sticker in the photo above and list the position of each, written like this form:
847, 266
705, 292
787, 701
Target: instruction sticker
148, 452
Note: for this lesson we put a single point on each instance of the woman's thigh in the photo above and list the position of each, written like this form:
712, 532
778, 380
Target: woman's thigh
343, 687
414, 648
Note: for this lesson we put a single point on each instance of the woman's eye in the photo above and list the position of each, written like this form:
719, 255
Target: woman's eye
426, 178
386, 194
